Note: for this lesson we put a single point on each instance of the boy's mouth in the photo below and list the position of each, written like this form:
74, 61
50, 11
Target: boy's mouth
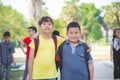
47, 29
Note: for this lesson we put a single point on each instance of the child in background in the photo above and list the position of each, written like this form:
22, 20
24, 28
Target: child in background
26, 41
115, 53
6, 53
55, 32
72, 56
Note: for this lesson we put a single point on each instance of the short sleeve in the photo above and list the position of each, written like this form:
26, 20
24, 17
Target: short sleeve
90, 58
60, 40
25, 40
12, 48
32, 45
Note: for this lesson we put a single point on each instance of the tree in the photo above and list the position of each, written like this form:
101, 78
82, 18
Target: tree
58, 25
13, 21
112, 15
104, 25
71, 11
36, 10
86, 14
91, 26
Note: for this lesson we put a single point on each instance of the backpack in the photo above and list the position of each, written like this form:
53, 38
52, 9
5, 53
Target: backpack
60, 53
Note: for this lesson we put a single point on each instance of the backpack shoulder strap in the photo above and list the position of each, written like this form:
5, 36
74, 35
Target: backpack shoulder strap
55, 42
60, 53
86, 56
36, 41
60, 49
85, 51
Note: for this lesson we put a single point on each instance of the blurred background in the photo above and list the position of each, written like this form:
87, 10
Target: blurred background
98, 19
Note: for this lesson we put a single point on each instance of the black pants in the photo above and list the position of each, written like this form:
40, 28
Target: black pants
116, 59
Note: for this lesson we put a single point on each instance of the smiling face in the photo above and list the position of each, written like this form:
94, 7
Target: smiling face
46, 27
46, 24
73, 34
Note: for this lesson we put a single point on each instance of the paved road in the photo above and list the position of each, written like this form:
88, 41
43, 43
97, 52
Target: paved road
103, 70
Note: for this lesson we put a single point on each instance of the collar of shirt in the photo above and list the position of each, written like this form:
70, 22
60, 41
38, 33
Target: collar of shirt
79, 42
116, 39
6, 43
116, 46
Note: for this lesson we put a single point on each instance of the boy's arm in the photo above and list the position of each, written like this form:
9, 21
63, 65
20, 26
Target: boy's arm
89, 47
13, 59
30, 63
12, 51
111, 52
91, 70
22, 47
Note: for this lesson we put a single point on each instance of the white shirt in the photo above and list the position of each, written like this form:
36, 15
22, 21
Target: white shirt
115, 44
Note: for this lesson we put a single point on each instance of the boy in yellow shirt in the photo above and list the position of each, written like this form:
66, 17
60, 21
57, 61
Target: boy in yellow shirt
43, 65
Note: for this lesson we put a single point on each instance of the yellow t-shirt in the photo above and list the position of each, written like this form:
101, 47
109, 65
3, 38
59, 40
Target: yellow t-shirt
44, 63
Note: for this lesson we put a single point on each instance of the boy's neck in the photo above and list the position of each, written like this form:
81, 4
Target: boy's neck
46, 36
74, 43
31, 37
7, 42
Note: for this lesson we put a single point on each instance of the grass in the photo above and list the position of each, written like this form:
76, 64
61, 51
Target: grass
15, 75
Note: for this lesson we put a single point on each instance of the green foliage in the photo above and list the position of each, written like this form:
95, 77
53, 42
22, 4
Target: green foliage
92, 27
95, 33
87, 15
112, 15
15, 75
11, 20
58, 25
71, 11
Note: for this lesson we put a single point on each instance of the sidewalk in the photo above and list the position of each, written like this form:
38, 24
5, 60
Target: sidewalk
103, 70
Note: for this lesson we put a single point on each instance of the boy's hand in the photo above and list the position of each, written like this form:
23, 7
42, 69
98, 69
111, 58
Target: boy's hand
35, 36
29, 78
90, 48
14, 63
111, 59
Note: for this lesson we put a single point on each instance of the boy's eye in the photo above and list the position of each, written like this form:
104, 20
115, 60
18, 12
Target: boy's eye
76, 32
44, 24
71, 32
49, 24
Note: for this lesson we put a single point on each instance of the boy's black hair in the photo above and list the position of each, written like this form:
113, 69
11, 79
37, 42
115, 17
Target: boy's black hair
6, 34
45, 19
73, 25
33, 28
55, 32
115, 32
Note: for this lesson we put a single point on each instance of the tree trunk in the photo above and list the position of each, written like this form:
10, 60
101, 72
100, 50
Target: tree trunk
106, 30
36, 11
118, 21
